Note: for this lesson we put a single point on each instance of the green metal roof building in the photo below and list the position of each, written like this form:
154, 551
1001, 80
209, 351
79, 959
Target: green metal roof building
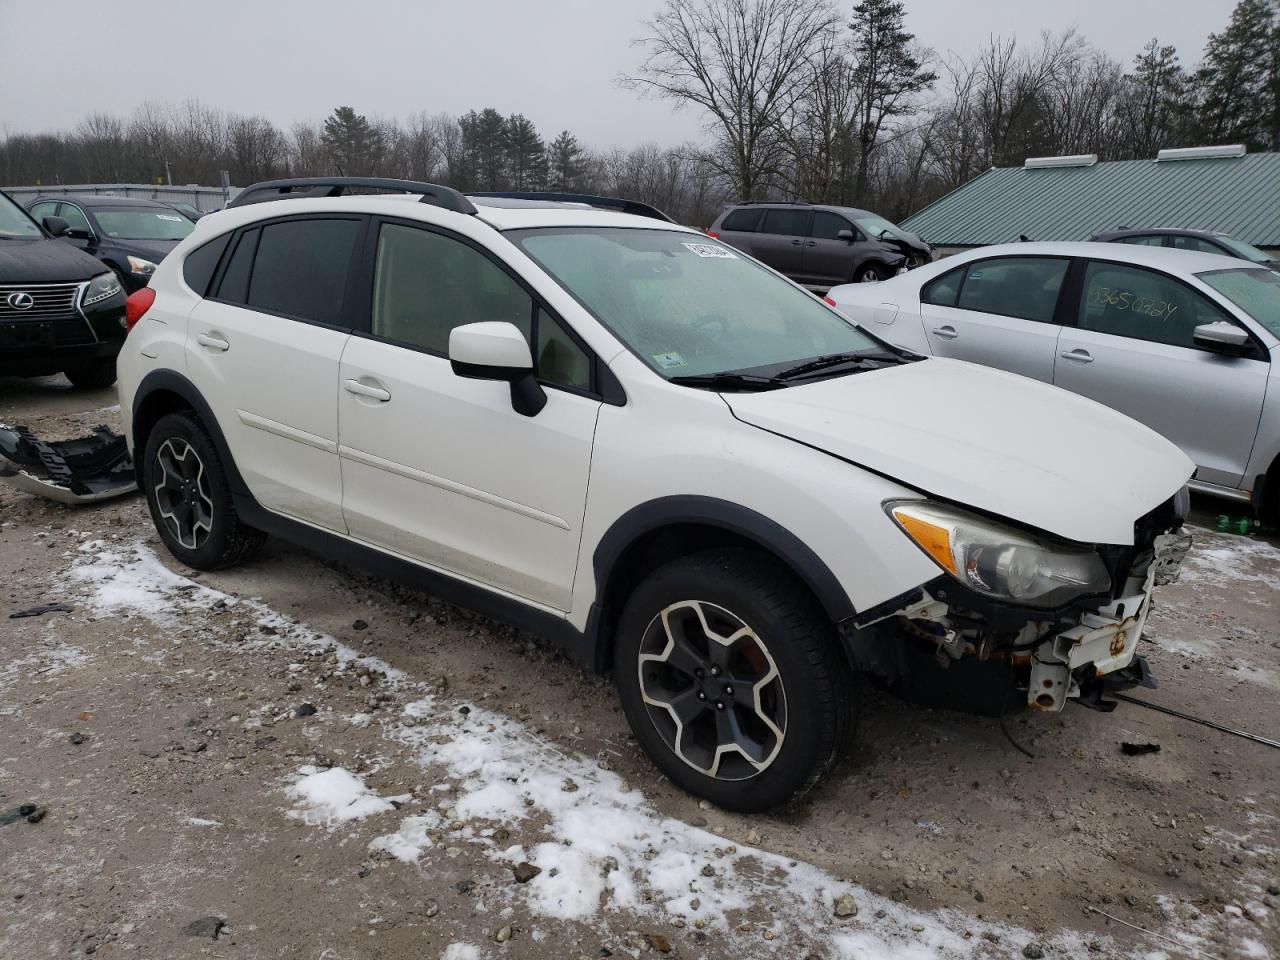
1071, 198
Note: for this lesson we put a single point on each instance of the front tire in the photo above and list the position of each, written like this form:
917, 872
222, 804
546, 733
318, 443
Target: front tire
96, 375
730, 677
189, 498
870, 273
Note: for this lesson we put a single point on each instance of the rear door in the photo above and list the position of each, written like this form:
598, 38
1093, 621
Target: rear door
782, 238
264, 351
1131, 347
998, 312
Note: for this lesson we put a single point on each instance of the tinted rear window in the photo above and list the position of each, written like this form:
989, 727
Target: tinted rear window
198, 267
234, 285
744, 219
788, 223
301, 269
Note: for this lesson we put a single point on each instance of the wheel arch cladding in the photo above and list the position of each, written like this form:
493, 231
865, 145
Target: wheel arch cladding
165, 391
653, 533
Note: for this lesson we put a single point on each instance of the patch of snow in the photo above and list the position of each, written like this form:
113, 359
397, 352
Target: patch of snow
333, 796
409, 842
1224, 560
201, 822
461, 951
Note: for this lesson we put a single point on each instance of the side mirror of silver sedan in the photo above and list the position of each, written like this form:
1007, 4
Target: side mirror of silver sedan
1220, 334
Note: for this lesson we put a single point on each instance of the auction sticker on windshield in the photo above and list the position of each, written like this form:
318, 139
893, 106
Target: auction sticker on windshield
669, 360
710, 250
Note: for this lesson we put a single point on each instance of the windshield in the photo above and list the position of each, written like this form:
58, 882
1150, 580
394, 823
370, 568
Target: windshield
1256, 292
688, 306
873, 226
1245, 250
14, 221
134, 223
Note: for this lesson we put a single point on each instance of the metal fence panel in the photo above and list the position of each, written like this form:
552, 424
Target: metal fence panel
205, 199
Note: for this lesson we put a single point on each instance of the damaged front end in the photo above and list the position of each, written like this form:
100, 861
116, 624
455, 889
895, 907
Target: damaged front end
84, 470
948, 643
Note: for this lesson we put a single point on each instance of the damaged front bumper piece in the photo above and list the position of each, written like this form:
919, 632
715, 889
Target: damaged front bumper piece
945, 646
85, 470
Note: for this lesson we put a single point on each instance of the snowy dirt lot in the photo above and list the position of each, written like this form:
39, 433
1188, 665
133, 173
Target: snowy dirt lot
292, 759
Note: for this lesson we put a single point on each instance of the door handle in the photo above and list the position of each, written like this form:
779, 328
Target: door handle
1078, 355
213, 343
364, 390
796, 243
946, 332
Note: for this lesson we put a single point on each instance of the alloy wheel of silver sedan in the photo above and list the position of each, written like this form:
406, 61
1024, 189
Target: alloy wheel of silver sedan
182, 493
712, 690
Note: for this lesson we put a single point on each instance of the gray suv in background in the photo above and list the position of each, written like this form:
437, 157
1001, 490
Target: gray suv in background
818, 245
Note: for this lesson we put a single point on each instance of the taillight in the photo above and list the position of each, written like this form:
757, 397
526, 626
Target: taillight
829, 302
713, 235
137, 305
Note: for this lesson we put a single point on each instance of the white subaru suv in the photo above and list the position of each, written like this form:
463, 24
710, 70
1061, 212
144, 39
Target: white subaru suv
616, 432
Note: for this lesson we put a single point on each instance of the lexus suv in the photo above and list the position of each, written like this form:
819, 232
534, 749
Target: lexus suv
61, 311
643, 444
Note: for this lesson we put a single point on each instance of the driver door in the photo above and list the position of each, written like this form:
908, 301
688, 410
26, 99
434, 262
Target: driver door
441, 469
1133, 348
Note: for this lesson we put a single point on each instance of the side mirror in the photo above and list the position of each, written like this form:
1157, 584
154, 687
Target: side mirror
56, 225
1221, 336
496, 350
845, 235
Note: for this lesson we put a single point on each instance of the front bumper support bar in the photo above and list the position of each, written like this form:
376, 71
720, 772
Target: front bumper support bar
85, 470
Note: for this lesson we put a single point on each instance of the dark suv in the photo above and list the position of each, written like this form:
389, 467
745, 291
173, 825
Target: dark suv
821, 246
129, 235
1205, 241
60, 309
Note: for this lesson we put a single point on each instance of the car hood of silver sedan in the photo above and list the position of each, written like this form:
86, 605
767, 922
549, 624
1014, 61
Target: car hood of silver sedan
1015, 447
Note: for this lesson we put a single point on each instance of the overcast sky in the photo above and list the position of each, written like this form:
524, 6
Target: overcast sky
556, 61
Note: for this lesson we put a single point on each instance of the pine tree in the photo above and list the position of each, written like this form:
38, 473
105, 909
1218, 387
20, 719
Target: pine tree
1239, 82
484, 137
352, 142
526, 154
566, 163
1157, 108
888, 74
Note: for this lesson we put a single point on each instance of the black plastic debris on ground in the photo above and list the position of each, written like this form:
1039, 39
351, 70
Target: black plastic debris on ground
30, 812
205, 927
1137, 749
41, 610
82, 470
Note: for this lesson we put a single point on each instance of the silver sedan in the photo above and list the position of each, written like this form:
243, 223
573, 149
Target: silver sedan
1185, 342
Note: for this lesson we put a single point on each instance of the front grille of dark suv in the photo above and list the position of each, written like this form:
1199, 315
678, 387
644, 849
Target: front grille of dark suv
48, 301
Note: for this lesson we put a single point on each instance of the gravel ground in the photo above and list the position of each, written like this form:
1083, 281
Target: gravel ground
293, 759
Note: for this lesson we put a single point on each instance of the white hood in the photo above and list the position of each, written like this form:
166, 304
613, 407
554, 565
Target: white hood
1016, 447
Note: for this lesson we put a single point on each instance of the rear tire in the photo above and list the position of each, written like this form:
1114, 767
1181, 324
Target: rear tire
189, 498
95, 375
749, 725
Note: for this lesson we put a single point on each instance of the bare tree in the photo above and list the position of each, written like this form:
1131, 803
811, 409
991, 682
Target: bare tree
742, 61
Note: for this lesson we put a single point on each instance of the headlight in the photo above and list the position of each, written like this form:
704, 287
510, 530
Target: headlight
140, 266
999, 561
100, 287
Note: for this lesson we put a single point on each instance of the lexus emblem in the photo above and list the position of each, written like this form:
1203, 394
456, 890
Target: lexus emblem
20, 301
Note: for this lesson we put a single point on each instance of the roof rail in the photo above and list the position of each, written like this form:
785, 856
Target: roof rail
314, 187
753, 203
634, 207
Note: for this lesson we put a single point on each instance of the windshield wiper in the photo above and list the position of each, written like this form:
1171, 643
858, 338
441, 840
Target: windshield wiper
864, 359
729, 382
